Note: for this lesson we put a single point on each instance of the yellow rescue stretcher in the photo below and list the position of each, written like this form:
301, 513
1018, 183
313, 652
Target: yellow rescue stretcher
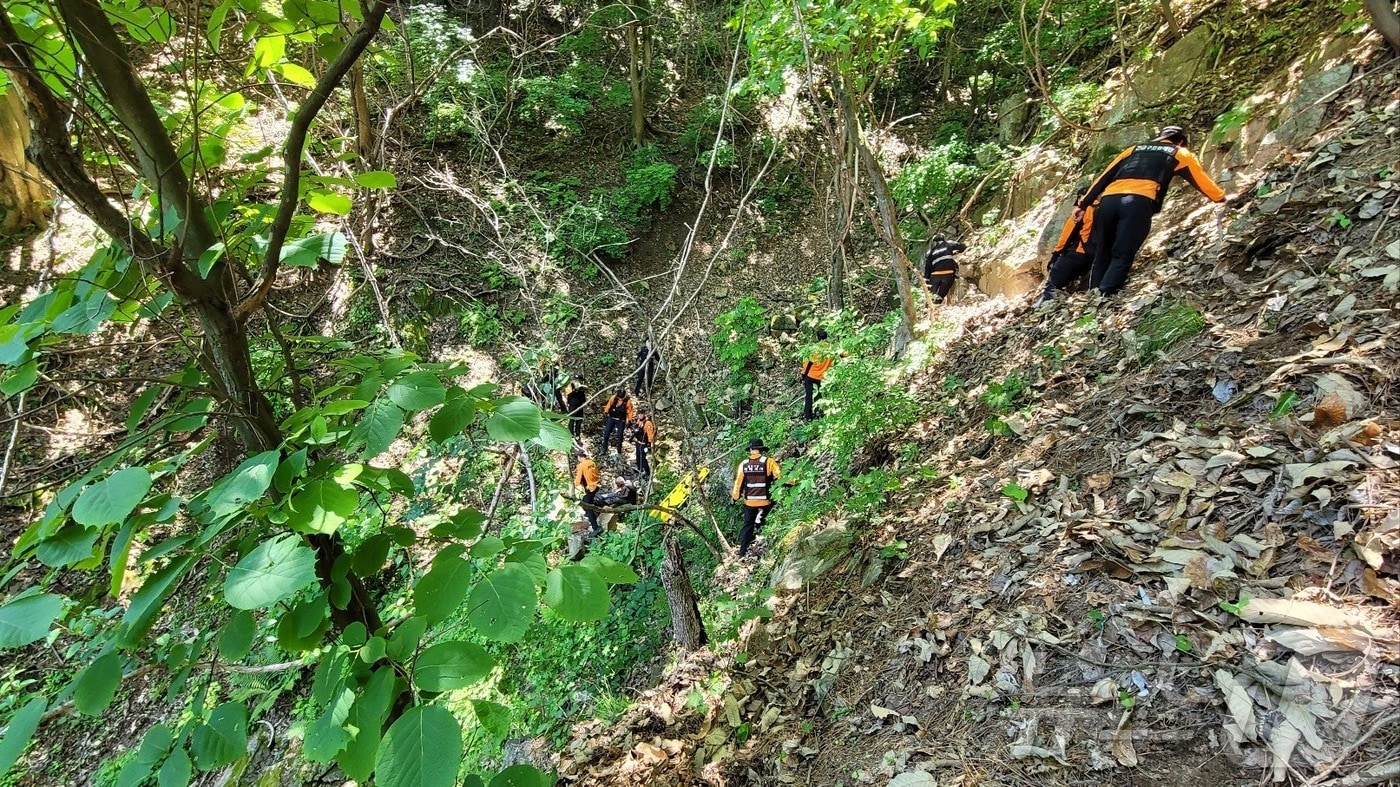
678, 495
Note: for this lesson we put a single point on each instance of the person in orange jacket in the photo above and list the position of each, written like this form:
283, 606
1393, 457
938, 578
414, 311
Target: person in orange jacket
813, 372
644, 437
753, 484
1126, 197
1070, 259
617, 413
587, 478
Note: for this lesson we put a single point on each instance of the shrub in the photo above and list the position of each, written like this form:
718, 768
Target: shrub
737, 339
1164, 328
1078, 101
934, 184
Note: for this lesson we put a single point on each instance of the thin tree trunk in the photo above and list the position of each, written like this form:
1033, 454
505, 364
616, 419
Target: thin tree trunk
888, 223
639, 50
366, 142
689, 628
1385, 20
22, 194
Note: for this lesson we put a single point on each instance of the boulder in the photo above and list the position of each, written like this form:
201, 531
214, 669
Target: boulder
1157, 82
1013, 114
810, 554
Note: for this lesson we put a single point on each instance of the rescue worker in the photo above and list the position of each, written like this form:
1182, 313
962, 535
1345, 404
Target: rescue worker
753, 483
1070, 259
617, 413
1128, 194
586, 477
647, 359
940, 268
813, 371
644, 437
574, 399
624, 493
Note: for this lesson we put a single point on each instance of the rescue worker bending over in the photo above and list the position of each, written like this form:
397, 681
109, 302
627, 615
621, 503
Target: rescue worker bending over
586, 477
617, 413
644, 436
1070, 260
813, 372
753, 483
1128, 194
940, 269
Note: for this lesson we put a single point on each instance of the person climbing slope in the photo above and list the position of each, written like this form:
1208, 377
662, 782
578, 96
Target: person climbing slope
644, 437
574, 399
940, 267
586, 477
813, 372
647, 360
1070, 259
753, 482
617, 413
1126, 197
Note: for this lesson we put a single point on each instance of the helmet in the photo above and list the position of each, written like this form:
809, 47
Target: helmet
1175, 134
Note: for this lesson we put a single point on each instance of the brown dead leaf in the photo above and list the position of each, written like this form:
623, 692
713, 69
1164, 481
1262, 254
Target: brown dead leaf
1122, 746
1329, 412
1098, 482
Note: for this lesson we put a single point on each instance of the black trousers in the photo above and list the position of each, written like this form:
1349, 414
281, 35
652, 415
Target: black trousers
644, 378
753, 522
576, 424
1121, 225
812, 393
643, 457
940, 286
610, 426
591, 498
1065, 269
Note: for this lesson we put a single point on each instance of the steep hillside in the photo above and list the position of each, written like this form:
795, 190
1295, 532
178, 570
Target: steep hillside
1155, 539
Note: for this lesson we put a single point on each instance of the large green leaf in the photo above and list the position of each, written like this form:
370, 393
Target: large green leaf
367, 716
222, 739
72, 544
154, 744
236, 638
379, 426
18, 732
321, 506
330, 202
176, 770
443, 588
451, 665
611, 571
148, 602
274, 570
377, 179
97, 684
422, 749
577, 593
493, 716
246, 484
452, 418
28, 619
417, 391
502, 605
328, 735
554, 436
516, 420
112, 499
305, 252
520, 776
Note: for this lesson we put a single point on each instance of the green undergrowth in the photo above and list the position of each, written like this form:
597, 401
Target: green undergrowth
1163, 328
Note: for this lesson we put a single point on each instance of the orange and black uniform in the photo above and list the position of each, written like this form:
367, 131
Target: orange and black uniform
940, 267
813, 370
617, 413
644, 435
1070, 259
1127, 195
587, 477
753, 483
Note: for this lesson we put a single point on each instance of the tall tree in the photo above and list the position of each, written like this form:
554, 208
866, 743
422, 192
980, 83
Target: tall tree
844, 52
140, 119
23, 195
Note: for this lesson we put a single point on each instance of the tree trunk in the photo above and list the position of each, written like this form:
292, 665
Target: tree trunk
888, 224
365, 138
639, 50
685, 607
1386, 21
23, 196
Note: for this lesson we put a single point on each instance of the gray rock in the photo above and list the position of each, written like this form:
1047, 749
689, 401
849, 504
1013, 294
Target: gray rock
810, 555
1303, 116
